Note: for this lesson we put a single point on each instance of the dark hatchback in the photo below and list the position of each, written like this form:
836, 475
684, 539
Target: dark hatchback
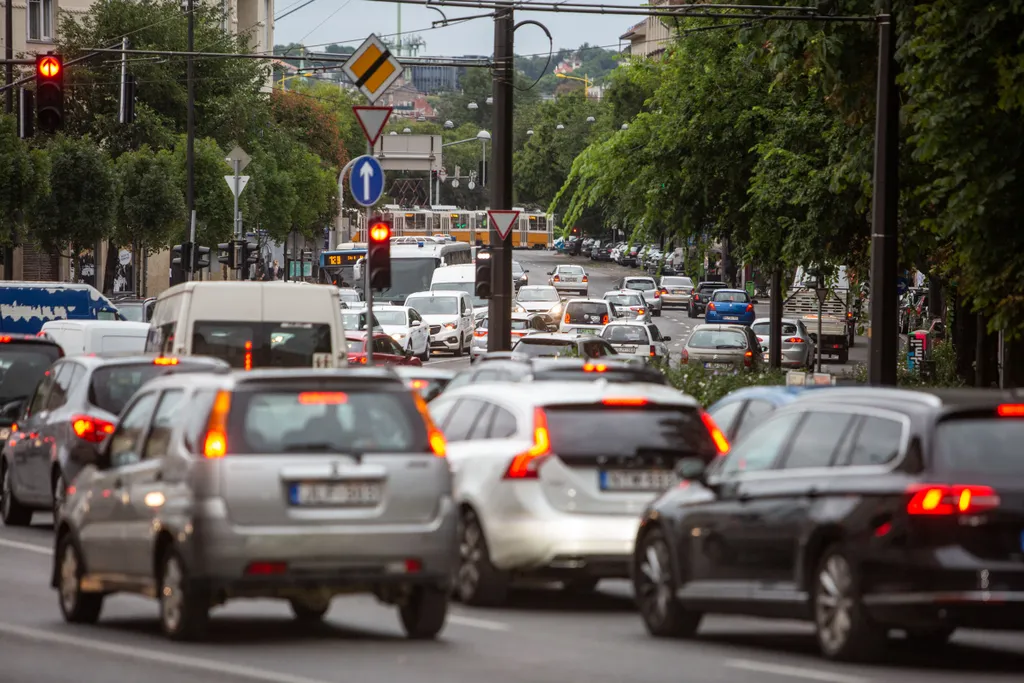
861, 510
559, 370
24, 360
701, 295
67, 419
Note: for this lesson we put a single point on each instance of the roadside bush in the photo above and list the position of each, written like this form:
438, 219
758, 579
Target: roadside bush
707, 386
944, 355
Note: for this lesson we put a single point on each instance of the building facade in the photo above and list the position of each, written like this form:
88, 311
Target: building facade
649, 38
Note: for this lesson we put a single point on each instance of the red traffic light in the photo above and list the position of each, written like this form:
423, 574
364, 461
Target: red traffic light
380, 232
48, 66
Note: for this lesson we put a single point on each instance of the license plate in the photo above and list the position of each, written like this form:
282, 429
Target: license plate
569, 279
625, 349
766, 355
348, 494
636, 480
731, 317
679, 291
717, 366
4, 433
585, 330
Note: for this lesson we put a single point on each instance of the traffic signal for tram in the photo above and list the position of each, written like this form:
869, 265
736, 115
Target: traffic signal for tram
226, 254
50, 93
181, 256
483, 274
379, 248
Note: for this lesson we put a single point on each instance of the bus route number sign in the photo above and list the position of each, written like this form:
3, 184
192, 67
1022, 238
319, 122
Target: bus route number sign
342, 259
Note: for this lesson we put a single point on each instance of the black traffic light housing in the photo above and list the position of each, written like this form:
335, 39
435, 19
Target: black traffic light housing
251, 253
483, 273
202, 256
379, 253
181, 256
49, 93
226, 254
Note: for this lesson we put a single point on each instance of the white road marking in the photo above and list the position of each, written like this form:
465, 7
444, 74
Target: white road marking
485, 624
794, 671
449, 360
154, 656
30, 547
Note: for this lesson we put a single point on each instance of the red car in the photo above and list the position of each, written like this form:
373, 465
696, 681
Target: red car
385, 350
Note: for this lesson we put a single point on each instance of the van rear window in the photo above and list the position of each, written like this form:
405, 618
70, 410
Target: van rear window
264, 345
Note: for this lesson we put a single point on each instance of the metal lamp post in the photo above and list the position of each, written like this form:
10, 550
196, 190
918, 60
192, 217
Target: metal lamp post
822, 293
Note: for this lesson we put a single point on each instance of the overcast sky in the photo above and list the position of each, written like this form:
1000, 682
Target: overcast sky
350, 21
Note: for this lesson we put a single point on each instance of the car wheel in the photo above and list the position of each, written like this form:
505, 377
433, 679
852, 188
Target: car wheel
655, 589
478, 582
844, 630
657, 312
76, 607
844, 357
462, 346
307, 612
184, 612
11, 511
691, 312
424, 612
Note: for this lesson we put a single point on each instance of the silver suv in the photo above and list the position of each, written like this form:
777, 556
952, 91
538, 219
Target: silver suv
292, 484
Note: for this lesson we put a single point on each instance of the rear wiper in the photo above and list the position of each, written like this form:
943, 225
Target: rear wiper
727, 346
315, 447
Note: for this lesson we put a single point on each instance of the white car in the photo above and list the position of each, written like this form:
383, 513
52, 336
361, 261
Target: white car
629, 304
587, 314
648, 287
552, 477
539, 299
352, 298
406, 327
637, 338
449, 315
570, 279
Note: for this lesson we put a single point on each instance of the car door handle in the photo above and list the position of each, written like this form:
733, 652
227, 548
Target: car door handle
812, 493
118, 483
743, 497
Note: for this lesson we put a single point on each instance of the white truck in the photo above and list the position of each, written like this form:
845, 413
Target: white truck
836, 317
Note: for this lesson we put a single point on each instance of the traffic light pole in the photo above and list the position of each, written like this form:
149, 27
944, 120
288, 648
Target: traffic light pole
190, 135
499, 333
368, 295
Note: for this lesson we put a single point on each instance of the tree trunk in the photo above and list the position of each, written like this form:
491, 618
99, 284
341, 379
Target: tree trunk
110, 267
965, 338
986, 367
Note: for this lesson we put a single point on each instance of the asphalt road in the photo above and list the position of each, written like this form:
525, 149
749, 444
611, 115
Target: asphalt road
673, 322
542, 637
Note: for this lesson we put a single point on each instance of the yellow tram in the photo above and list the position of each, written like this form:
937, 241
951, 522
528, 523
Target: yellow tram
534, 229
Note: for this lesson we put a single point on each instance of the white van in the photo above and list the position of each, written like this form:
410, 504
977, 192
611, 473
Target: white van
460, 278
449, 316
251, 324
79, 337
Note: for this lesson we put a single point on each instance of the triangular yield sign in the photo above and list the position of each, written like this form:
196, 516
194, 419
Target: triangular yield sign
503, 221
372, 120
243, 180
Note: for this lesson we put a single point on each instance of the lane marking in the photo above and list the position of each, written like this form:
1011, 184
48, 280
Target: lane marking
31, 547
154, 656
464, 359
485, 624
794, 671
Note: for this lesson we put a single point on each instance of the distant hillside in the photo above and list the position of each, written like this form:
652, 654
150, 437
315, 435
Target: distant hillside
595, 63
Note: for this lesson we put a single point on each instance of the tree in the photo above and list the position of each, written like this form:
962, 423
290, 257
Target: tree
214, 202
305, 118
24, 178
151, 207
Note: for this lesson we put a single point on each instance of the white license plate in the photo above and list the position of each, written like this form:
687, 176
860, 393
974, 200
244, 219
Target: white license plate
625, 349
731, 317
679, 291
570, 279
766, 355
347, 493
717, 366
636, 480
4, 433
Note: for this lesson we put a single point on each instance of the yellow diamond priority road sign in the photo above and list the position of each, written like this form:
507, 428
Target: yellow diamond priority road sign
372, 68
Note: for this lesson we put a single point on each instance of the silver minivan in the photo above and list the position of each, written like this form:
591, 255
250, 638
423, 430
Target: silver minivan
299, 485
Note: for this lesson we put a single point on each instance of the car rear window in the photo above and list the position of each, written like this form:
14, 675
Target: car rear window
539, 348
22, 366
986, 446
717, 339
248, 345
587, 313
676, 282
624, 300
570, 270
610, 430
111, 386
764, 329
355, 345
618, 334
641, 285
520, 324
731, 296
325, 420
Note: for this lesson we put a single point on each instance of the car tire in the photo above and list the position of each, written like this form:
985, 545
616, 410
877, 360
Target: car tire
654, 585
184, 611
424, 612
844, 357
657, 313
12, 512
309, 613
477, 581
843, 628
425, 356
75, 606
691, 312
462, 347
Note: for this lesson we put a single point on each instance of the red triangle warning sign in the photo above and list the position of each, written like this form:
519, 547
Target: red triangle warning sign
372, 120
503, 221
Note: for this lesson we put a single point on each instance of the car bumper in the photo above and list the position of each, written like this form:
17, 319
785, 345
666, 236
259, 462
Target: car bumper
713, 318
476, 352
447, 340
676, 300
572, 288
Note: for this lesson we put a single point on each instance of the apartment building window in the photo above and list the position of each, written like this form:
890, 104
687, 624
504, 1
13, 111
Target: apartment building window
40, 19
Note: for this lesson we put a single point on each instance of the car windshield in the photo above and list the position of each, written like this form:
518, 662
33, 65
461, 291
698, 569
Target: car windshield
544, 348
467, 287
111, 386
640, 285
986, 447
736, 297
538, 294
570, 270
356, 320
520, 324
717, 339
23, 367
434, 305
409, 275
516, 268
676, 282
598, 430
765, 329
397, 318
623, 334
624, 299
260, 345
325, 421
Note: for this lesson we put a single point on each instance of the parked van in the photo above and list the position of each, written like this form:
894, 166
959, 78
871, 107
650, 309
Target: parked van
78, 337
25, 306
251, 324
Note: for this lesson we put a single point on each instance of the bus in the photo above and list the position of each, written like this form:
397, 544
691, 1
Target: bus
338, 266
533, 230
413, 265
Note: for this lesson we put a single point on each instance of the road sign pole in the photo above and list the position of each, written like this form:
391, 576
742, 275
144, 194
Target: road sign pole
238, 222
499, 336
369, 290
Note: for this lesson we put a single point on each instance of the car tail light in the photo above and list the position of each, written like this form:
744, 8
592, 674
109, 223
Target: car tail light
91, 429
711, 306
438, 444
418, 384
663, 290
793, 340
717, 435
266, 568
654, 351
526, 464
604, 319
6, 339
215, 445
248, 355
585, 278
625, 401
684, 356
750, 308
696, 297
165, 361
1010, 410
566, 318
554, 279
322, 398
479, 333
657, 293
950, 499
591, 367
748, 358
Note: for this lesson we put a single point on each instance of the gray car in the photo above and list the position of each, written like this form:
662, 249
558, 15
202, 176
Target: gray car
797, 345
570, 280
723, 347
676, 290
646, 286
292, 484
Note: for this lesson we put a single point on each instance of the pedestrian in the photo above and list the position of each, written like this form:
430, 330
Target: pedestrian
275, 271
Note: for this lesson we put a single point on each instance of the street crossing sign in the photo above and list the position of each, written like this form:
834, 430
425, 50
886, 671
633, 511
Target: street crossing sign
366, 180
372, 68
502, 221
372, 120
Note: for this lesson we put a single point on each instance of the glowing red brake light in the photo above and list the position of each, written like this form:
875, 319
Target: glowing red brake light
604, 319
950, 499
526, 464
1010, 410
590, 367
91, 429
165, 361
791, 340
721, 443
624, 401
6, 339
750, 308
247, 362
479, 333
684, 356
266, 568
322, 398
711, 305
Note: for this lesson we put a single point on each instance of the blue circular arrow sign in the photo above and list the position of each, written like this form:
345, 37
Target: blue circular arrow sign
366, 180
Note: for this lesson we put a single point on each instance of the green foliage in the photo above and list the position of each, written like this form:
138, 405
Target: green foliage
24, 178
944, 355
708, 386
151, 205
213, 200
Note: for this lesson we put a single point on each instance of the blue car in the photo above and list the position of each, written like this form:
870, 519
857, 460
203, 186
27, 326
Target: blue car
743, 409
730, 307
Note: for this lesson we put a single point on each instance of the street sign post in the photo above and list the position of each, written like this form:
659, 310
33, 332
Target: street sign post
366, 181
372, 120
503, 221
239, 159
372, 68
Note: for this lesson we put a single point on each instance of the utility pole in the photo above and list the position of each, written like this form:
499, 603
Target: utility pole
9, 97
190, 158
499, 335
884, 343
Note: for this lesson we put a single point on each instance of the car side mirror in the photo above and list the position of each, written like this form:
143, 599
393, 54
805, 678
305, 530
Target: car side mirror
414, 323
755, 302
526, 270
551, 272
666, 339
691, 469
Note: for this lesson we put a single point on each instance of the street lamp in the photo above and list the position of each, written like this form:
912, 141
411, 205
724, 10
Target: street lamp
822, 291
448, 124
559, 127
591, 119
625, 126
489, 100
530, 132
406, 131
392, 133
472, 106
483, 136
